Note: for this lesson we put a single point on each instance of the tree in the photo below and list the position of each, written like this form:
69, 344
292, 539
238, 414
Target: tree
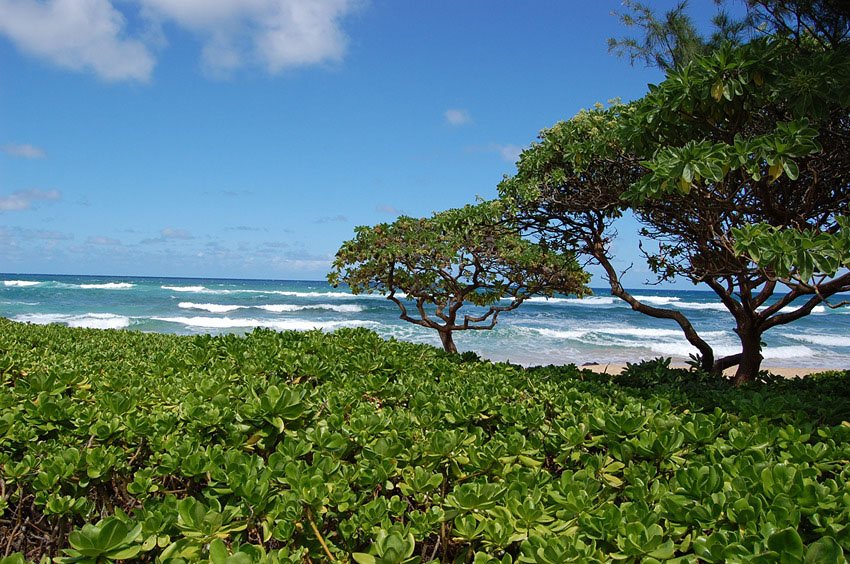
568, 193
667, 42
737, 151
456, 257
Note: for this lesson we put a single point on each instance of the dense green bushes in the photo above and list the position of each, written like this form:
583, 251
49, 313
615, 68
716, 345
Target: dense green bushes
298, 447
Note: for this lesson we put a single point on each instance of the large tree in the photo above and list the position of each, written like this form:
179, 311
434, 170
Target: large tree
432, 267
756, 134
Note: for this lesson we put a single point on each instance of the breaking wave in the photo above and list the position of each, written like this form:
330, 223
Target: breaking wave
89, 320
108, 286
247, 323
20, 283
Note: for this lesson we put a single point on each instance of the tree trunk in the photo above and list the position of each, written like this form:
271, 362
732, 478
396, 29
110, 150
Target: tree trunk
705, 350
751, 356
448, 341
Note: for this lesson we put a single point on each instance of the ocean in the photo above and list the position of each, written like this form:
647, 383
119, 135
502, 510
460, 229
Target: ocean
563, 330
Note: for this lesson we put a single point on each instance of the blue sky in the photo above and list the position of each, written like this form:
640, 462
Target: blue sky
247, 138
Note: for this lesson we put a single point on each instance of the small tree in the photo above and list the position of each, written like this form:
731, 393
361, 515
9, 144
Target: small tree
457, 257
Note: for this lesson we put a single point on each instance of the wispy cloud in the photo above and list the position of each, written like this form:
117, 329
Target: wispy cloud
24, 199
169, 234
236, 193
103, 241
172, 233
93, 35
388, 209
509, 153
331, 219
23, 150
244, 228
43, 235
456, 116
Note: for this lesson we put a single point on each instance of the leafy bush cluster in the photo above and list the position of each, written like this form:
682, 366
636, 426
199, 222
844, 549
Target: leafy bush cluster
300, 447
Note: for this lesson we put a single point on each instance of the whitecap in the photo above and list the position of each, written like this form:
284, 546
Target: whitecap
700, 306
280, 325
196, 289
333, 295
339, 308
555, 333
589, 301
108, 286
89, 320
597, 335
658, 300
792, 308
823, 340
794, 351
684, 349
20, 283
212, 308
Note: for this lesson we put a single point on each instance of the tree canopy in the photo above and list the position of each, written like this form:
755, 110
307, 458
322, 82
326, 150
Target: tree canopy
431, 267
738, 167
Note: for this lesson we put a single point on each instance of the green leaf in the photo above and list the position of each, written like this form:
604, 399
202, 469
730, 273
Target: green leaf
786, 542
824, 551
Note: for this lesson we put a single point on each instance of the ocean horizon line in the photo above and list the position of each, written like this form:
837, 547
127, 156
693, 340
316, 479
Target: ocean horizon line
600, 289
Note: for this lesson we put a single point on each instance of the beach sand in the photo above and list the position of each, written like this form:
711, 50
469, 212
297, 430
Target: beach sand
784, 371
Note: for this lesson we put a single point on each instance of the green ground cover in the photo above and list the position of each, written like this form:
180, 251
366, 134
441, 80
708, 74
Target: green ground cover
308, 447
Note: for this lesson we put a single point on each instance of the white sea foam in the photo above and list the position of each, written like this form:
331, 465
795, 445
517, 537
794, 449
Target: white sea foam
212, 308
288, 293
281, 325
684, 349
658, 300
589, 301
701, 306
791, 352
557, 334
196, 289
823, 340
108, 286
90, 320
324, 295
599, 333
20, 283
339, 308
790, 308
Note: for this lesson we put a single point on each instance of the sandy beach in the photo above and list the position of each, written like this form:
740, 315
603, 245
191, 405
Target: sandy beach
784, 371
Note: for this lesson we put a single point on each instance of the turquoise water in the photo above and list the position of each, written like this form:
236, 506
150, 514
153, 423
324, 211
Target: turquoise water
557, 331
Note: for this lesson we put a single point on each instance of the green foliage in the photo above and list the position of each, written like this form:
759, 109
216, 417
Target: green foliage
456, 257
736, 165
802, 254
393, 452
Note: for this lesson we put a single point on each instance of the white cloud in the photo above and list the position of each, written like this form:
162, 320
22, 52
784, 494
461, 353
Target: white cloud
277, 34
93, 34
457, 117
24, 199
23, 150
509, 153
78, 35
171, 233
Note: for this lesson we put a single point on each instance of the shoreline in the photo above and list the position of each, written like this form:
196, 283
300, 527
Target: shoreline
615, 368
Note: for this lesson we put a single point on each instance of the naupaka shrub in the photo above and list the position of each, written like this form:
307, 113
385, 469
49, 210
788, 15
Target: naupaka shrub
298, 447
